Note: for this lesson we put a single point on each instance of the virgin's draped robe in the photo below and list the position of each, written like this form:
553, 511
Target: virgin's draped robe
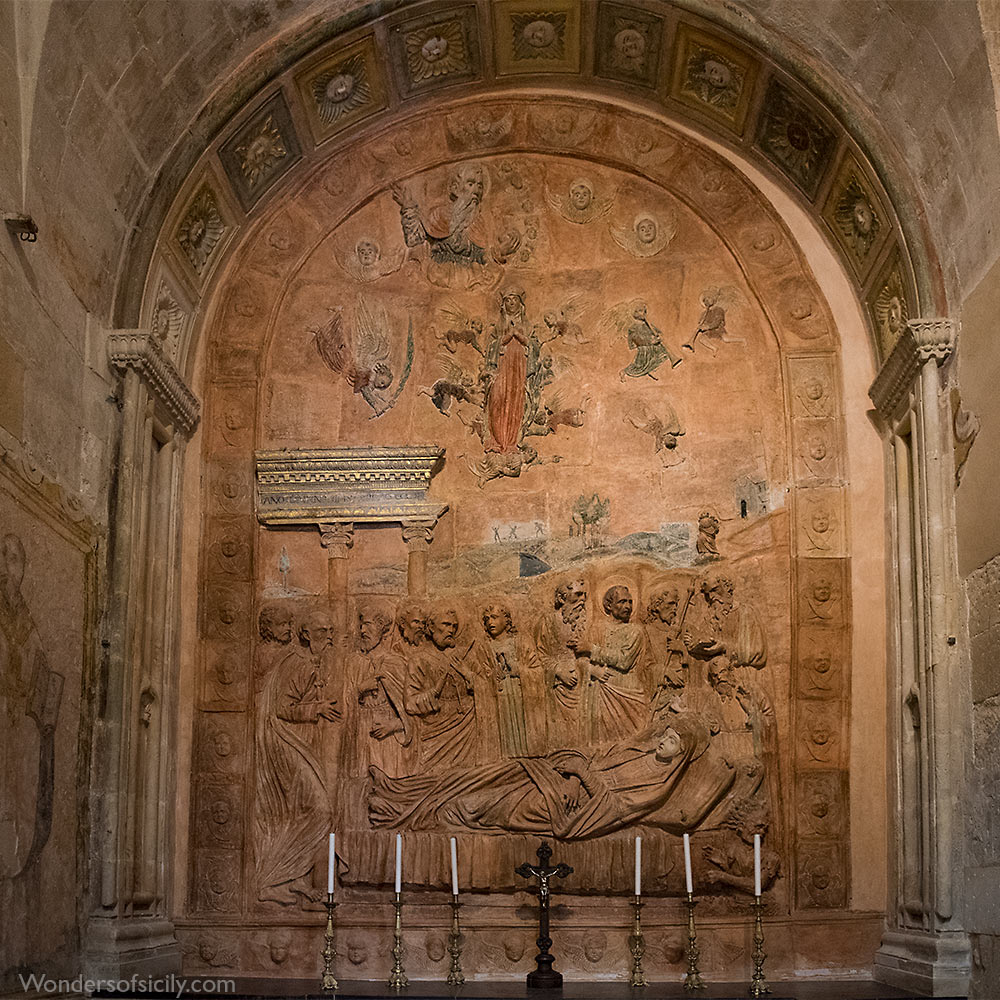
563, 794
505, 403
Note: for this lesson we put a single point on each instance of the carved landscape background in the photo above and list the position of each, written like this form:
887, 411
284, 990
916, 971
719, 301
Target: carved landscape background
626, 469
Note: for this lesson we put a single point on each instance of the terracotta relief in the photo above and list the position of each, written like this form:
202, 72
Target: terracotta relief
793, 136
436, 49
628, 44
632, 615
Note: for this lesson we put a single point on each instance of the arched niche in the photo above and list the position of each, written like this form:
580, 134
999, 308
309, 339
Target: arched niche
765, 436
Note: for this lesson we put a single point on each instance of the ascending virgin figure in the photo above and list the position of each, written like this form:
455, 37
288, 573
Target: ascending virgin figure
507, 356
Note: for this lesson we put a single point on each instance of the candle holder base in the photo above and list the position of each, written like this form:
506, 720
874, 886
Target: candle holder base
758, 984
455, 975
328, 982
692, 979
397, 978
637, 947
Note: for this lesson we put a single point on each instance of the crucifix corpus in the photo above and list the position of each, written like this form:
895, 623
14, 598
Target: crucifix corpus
544, 976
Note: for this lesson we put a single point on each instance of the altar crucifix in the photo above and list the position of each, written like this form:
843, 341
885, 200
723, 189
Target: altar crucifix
544, 976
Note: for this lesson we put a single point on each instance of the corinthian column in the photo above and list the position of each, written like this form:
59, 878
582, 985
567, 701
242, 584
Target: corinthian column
925, 945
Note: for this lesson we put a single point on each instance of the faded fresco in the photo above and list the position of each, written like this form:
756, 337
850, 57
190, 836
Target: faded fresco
632, 617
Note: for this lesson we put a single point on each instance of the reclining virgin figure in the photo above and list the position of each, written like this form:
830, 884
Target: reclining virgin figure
667, 778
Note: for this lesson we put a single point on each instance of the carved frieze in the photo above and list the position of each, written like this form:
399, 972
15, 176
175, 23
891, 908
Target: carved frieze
820, 661
822, 805
217, 880
203, 230
821, 735
812, 388
822, 591
225, 676
817, 453
220, 744
219, 814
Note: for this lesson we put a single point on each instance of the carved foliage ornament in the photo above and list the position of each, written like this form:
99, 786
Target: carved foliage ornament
341, 89
201, 229
794, 138
436, 50
713, 77
628, 44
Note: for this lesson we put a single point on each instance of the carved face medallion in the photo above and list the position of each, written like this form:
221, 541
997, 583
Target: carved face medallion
630, 44
339, 88
434, 48
645, 230
539, 34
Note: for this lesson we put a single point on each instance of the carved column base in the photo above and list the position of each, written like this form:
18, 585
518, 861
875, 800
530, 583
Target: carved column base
936, 964
126, 947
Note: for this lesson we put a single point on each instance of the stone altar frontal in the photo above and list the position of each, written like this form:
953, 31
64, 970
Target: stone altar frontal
625, 609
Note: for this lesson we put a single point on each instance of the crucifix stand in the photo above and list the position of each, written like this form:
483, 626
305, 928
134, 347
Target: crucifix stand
544, 976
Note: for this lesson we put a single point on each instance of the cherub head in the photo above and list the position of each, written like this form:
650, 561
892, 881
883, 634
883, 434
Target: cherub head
368, 251
581, 194
645, 229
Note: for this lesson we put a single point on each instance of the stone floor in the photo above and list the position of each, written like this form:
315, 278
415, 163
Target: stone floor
250, 989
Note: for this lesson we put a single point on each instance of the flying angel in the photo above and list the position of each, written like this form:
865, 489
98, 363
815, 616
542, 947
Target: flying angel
580, 204
364, 360
366, 262
561, 322
462, 329
663, 430
647, 235
712, 324
454, 385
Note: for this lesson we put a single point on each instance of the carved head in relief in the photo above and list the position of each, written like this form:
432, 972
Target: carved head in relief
275, 624
466, 185
513, 947
720, 676
595, 943
435, 947
669, 746
581, 194
357, 952
373, 624
617, 604
497, 620
368, 252
442, 627
662, 607
411, 621
571, 600
278, 946
719, 593
316, 632
645, 229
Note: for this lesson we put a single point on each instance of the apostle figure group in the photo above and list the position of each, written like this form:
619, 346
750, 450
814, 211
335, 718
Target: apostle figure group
423, 693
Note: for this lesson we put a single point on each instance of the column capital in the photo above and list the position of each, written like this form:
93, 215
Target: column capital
921, 341
139, 350
337, 537
418, 534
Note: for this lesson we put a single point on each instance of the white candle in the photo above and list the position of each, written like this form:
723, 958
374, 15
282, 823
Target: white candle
756, 864
454, 867
638, 866
687, 864
399, 861
332, 864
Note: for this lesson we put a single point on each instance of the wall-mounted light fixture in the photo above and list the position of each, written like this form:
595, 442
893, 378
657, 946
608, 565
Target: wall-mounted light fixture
22, 226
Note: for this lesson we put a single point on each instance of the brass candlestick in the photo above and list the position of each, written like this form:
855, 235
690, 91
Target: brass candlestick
397, 978
637, 945
758, 984
455, 976
328, 982
692, 981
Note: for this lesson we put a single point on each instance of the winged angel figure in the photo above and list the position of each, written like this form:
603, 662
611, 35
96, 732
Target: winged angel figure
364, 359
663, 430
580, 204
647, 235
366, 262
